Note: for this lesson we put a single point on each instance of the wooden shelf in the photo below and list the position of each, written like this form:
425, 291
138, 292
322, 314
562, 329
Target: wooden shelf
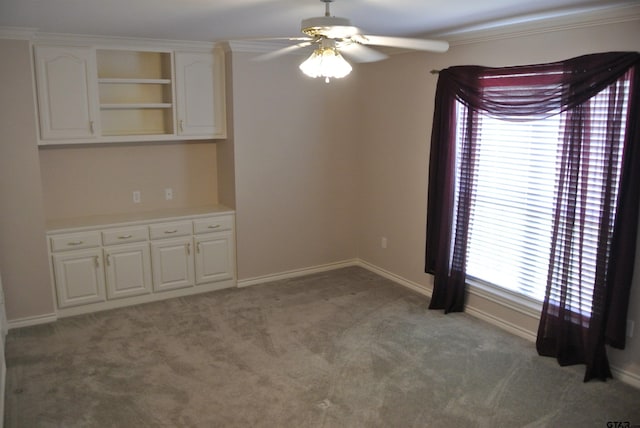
135, 81
135, 92
134, 132
125, 106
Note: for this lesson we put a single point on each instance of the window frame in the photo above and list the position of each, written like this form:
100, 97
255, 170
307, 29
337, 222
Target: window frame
511, 297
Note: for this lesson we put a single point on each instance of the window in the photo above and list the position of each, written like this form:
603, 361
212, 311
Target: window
511, 221
534, 186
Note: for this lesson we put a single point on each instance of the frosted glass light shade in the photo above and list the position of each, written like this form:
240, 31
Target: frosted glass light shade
326, 62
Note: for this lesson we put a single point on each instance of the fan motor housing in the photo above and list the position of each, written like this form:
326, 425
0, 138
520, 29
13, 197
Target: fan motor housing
332, 27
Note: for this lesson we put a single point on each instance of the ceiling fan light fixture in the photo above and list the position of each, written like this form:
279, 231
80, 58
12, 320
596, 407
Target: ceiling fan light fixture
326, 62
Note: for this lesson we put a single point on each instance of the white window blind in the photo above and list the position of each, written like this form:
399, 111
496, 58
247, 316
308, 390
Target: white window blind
516, 174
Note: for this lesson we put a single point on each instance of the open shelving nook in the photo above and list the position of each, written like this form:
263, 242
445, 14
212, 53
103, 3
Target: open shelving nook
135, 92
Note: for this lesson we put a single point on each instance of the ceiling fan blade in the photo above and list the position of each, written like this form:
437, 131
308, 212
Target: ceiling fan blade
283, 51
270, 39
361, 53
407, 43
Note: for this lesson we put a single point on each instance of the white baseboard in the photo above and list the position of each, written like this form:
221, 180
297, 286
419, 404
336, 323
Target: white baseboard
626, 376
422, 289
477, 313
295, 273
31, 321
144, 298
501, 323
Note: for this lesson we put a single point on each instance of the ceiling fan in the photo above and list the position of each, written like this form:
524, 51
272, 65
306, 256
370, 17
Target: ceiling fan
333, 35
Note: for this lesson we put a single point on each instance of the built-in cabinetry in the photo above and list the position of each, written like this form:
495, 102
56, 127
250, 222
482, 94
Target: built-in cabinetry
172, 253
79, 274
199, 94
135, 90
213, 254
107, 266
127, 261
95, 94
66, 81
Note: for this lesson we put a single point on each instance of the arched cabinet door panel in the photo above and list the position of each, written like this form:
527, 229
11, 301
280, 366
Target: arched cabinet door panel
200, 95
66, 88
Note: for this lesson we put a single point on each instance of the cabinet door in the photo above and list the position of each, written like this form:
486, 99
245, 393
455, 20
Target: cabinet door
200, 94
79, 277
214, 257
66, 82
128, 270
172, 264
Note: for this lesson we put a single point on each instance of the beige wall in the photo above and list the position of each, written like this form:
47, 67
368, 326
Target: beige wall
23, 253
94, 180
226, 149
395, 110
396, 97
295, 168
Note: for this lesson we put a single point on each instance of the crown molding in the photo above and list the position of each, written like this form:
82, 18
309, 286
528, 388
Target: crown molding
32, 34
17, 33
252, 46
542, 23
104, 41
261, 46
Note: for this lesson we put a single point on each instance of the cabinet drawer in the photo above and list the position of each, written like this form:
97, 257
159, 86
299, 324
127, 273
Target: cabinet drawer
75, 241
212, 224
170, 230
124, 235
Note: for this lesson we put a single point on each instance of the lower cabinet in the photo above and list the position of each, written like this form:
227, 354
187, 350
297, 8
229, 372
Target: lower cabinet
214, 257
128, 270
79, 277
122, 264
172, 264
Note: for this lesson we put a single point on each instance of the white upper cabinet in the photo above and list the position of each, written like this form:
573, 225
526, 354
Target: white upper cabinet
66, 83
200, 93
97, 94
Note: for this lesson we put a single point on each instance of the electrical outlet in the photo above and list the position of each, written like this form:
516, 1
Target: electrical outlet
168, 193
383, 242
630, 326
136, 196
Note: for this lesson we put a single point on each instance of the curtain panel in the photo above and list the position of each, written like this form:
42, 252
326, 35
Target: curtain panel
539, 91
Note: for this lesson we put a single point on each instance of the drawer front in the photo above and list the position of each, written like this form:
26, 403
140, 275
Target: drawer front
75, 241
125, 235
170, 230
213, 224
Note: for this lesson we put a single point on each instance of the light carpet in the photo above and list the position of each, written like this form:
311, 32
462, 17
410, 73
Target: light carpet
345, 348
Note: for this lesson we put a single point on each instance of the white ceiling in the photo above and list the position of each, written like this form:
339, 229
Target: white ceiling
215, 20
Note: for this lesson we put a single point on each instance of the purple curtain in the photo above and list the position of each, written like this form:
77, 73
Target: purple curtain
513, 93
